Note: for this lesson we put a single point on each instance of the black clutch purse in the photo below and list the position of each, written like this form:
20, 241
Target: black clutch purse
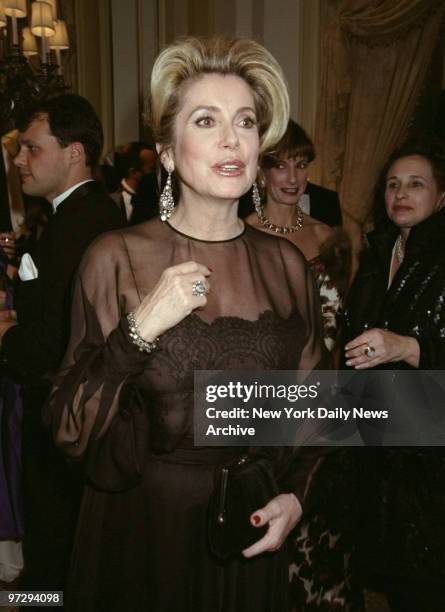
241, 487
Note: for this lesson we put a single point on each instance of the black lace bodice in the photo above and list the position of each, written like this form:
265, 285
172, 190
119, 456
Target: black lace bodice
262, 313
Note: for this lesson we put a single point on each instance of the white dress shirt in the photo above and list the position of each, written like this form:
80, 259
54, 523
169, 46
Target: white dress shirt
127, 194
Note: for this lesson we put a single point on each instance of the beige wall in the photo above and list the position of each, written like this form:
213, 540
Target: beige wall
94, 56
125, 70
281, 36
308, 64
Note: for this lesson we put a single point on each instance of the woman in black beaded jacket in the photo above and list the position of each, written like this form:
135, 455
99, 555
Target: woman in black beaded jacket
396, 320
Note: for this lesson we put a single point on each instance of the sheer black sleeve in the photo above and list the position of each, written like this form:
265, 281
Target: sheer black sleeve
100, 358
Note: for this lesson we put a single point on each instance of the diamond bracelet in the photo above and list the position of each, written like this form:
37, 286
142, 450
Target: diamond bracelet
136, 337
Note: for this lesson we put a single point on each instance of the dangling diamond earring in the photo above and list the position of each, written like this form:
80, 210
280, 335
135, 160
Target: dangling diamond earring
166, 201
256, 199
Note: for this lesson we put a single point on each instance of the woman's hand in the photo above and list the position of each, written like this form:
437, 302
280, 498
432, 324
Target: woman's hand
282, 513
172, 299
376, 346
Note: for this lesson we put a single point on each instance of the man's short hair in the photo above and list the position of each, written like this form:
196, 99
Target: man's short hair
71, 118
130, 158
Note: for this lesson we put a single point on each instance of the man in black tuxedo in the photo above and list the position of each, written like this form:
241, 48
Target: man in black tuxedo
137, 194
59, 144
323, 204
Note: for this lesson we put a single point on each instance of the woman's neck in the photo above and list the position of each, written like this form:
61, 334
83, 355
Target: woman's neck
208, 221
404, 233
281, 214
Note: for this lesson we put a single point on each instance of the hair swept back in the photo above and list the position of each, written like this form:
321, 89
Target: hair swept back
192, 57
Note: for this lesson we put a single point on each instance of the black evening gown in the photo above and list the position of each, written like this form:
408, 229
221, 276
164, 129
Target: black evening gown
141, 539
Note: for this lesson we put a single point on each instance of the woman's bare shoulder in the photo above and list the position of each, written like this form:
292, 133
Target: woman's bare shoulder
319, 229
252, 220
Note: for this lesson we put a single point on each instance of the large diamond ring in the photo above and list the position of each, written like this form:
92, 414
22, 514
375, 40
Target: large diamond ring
369, 351
199, 288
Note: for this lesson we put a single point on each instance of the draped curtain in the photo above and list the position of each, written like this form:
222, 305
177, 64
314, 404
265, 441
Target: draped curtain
375, 56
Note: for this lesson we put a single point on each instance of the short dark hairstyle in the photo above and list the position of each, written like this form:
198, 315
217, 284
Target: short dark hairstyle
71, 118
130, 158
295, 142
431, 149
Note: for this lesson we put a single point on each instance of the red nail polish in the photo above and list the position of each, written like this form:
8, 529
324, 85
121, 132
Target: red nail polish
256, 519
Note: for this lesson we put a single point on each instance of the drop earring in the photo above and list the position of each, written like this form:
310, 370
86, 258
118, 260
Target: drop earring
166, 201
256, 197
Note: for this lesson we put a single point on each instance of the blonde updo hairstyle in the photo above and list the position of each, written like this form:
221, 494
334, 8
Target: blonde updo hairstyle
191, 58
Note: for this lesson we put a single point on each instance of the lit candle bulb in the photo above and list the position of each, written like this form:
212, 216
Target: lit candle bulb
42, 24
16, 9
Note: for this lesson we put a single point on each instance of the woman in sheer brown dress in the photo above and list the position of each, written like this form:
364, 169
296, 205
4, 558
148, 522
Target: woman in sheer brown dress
196, 289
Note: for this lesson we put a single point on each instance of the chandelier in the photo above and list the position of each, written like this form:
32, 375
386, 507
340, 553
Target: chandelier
28, 73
